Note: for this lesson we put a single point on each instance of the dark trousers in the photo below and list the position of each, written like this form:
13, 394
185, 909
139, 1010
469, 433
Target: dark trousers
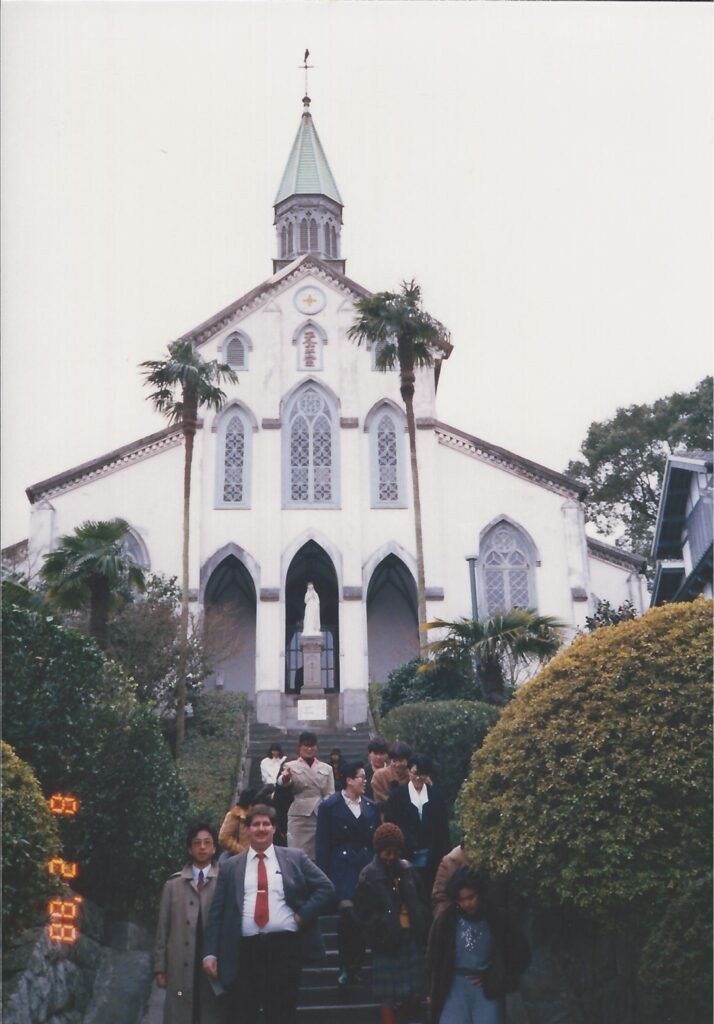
350, 938
269, 977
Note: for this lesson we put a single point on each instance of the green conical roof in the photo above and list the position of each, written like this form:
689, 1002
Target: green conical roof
307, 171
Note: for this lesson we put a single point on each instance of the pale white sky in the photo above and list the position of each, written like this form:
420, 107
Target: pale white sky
543, 170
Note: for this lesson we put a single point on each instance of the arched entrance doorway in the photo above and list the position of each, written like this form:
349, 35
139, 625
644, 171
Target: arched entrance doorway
311, 564
230, 604
392, 619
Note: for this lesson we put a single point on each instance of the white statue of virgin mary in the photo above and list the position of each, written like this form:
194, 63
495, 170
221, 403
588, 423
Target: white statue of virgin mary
311, 623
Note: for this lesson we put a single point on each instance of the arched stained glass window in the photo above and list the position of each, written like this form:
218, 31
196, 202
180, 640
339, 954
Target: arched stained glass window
233, 461
303, 235
387, 461
507, 567
311, 451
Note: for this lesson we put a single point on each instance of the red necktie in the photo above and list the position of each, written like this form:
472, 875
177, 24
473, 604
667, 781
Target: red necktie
201, 881
261, 914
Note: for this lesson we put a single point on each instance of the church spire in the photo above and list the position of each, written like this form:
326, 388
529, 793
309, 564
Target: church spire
308, 206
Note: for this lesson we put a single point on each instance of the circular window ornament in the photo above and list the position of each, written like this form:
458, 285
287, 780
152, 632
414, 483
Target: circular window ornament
309, 300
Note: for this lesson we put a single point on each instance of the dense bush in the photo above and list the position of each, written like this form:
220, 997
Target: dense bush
676, 967
30, 839
75, 718
407, 685
448, 731
211, 754
594, 789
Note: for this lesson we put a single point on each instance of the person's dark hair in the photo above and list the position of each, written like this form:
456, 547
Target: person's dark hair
336, 750
246, 798
200, 826
466, 878
275, 746
378, 745
400, 751
351, 768
261, 811
307, 738
422, 763
265, 794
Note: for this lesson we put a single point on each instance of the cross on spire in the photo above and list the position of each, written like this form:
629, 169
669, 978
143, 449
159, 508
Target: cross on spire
306, 67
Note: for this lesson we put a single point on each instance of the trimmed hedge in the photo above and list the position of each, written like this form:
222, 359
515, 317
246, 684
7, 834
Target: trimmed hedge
75, 718
212, 753
30, 839
448, 731
444, 681
594, 789
675, 972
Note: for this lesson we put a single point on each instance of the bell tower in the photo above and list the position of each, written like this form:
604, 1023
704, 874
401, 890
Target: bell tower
308, 207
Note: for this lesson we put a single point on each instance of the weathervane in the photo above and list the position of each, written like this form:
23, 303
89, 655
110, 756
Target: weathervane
305, 67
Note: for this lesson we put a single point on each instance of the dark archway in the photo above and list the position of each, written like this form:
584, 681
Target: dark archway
392, 620
311, 564
230, 609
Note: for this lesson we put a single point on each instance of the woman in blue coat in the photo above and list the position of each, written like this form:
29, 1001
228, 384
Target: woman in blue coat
346, 823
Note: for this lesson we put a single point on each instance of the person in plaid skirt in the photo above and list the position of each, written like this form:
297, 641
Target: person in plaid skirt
392, 909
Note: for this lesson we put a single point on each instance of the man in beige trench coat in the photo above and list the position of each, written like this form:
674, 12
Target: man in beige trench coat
183, 915
311, 782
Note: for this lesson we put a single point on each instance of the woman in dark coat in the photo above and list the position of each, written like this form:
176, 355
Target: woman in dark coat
476, 955
346, 823
392, 909
420, 812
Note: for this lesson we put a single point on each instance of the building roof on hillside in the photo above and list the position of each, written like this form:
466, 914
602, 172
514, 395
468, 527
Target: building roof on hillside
617, 556
672, 511
476, 447
136, 451
307, 171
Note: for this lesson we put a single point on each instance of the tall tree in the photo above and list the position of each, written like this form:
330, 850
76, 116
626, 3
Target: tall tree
90, 568
182, 383
624, 458
405, 335
498, 646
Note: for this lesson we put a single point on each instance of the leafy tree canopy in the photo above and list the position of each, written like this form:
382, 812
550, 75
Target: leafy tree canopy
445, 681
594, 789
624, 458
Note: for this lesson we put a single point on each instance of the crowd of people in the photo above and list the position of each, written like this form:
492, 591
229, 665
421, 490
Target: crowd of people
367, 839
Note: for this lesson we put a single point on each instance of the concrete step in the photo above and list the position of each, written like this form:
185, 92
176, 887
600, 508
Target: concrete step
326, 977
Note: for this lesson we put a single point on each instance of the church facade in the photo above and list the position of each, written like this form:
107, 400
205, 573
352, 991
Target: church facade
303, 476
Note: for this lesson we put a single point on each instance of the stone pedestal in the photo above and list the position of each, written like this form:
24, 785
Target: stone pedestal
311, 647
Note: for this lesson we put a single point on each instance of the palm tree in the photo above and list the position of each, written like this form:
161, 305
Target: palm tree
405, 336
90, 567
183, 383
504, 642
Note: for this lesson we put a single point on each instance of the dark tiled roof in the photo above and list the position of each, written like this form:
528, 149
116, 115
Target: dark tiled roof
618, 556
533, 471
145, 446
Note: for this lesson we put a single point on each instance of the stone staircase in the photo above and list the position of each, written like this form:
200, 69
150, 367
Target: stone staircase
352, 741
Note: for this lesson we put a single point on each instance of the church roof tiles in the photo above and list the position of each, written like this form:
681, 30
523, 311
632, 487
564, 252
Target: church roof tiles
307, 171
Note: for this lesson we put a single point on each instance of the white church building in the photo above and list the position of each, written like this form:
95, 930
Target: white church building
304, 475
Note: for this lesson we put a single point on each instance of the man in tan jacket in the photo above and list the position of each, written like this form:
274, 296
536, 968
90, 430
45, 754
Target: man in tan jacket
448, 866
178, 952
311, 781
392, 775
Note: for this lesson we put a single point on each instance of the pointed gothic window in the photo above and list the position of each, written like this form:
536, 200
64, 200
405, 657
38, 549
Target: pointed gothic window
313, 235
235, 354
312, 449
328, 241
506, 569
290, 240
386, 429
233, 441
284, 242
303, 235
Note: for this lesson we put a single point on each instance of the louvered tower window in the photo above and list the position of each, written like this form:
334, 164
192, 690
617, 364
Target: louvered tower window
303, 235
507, 568
235, 353
311, 449
290, 240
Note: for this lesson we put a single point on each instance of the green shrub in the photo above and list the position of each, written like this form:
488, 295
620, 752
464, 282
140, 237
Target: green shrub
594, 789
407, 685
212, 753
30, 839
448, 731
675, 971
74, 717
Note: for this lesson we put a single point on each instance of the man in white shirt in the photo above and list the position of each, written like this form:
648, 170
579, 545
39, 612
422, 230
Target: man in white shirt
263, 924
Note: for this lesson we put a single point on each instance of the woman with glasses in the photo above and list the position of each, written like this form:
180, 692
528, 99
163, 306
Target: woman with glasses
346, 823
419, 809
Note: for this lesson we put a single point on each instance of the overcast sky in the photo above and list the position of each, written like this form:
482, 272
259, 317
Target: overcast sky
543, 170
